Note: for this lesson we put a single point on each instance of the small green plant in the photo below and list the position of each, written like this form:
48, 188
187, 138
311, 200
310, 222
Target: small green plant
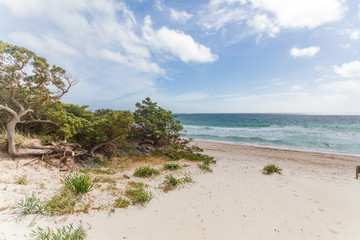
137, 184
78, 183
22, 180
30, 205
172, 166
64, 233
96, 170
205, 167
109, 180
139, 196
96, 180
172, 181
63, 203
271, 168
173, 156
121, 203
187, 179
146, 171
47, 139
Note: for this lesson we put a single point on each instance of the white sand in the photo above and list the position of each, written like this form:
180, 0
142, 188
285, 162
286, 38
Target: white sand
317, 197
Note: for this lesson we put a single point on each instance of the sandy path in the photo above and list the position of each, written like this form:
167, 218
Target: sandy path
317, 197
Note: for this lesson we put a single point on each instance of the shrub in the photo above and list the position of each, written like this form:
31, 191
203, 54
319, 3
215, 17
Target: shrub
146, 171
173, 156
271, 168
155, 124
78, 183
63, 203
121, 203
22, 180
172, 166
139, 196
64, 233
30, 205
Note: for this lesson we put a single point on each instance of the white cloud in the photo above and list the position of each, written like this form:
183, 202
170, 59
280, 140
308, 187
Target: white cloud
261, 23
345, 45
348, 70
354, 34
176, 43
304, 52
297, 88
270, 16
344, 86
180, 16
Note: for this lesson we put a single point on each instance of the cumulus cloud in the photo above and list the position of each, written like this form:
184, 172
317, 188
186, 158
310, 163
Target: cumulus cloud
180, 16
344, 86
105, 29
270, 16
348, 70
176, 43
304, 52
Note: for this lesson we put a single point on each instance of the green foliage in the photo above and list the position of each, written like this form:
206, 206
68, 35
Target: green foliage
96, 170
64, 203
78, 183
172, 166
22, 180
172, 181
137, 184
155, 123
146, 171
205, 167
64, 233
30, 205
109, 180
271, 168
173, 156
139, 196
121, 203
189, 156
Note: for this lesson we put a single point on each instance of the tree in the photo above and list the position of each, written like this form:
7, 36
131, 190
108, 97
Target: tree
27, 84
155, 123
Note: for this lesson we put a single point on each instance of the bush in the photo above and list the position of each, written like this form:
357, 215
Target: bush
172, 166
30, 205
64, 233
172, 181
139, 196
271, 168
146, 171
155, 124
78, 183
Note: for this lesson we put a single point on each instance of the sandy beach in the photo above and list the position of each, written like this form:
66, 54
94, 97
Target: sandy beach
316, 197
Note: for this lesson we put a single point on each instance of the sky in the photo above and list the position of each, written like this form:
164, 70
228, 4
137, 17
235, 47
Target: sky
204, 56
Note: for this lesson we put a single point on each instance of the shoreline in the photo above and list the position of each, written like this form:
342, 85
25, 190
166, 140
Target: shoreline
284, 148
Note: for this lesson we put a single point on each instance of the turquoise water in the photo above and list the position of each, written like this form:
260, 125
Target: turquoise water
322, 133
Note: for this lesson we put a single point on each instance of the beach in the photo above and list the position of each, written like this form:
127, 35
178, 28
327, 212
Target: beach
316, 197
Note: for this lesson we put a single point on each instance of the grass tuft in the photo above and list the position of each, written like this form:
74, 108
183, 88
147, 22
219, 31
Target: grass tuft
64, 233
139, 196
96, 170
271, 168
146, 171
30, 205
22, 180
63, 203
172, 166
121, 203
78, 183
205, 167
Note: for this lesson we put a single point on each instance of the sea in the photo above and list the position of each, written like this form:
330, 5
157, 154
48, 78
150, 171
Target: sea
319, 133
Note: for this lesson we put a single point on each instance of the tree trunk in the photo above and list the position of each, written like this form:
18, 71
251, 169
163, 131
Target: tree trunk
10, 128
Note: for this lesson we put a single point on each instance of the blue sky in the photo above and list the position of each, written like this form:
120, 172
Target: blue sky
297, 56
